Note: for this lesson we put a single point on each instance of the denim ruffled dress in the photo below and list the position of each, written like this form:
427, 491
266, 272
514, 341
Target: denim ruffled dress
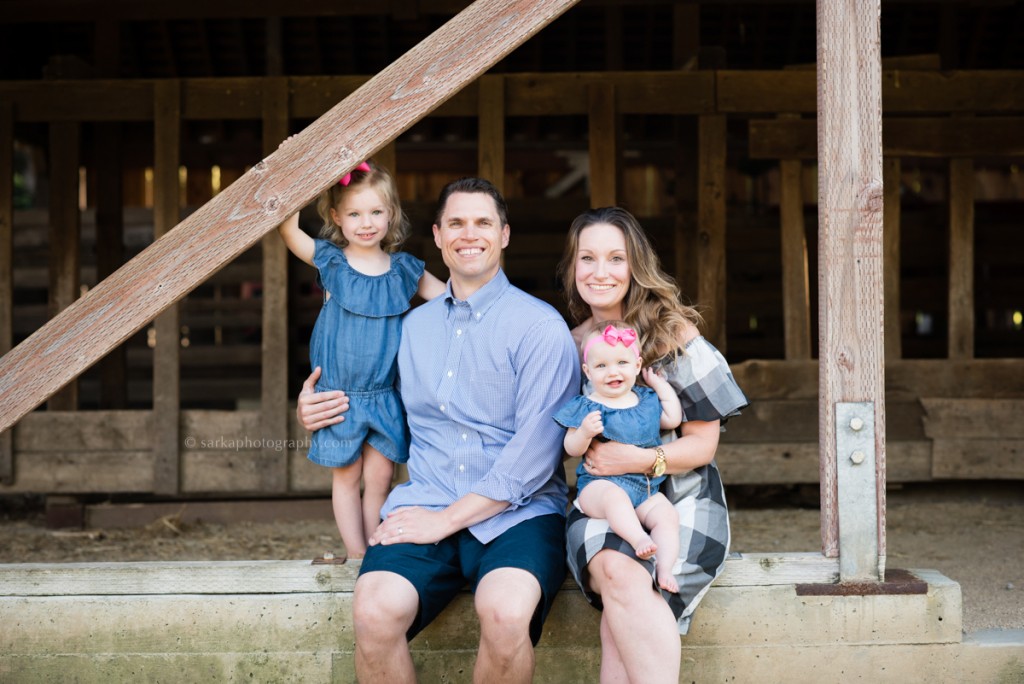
355, 343
638, 425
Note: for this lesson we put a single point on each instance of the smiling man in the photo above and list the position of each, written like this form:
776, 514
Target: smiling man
482, 370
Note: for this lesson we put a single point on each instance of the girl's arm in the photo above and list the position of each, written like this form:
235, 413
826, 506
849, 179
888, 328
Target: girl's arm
577, 440
671, 409
300, 244
430, 286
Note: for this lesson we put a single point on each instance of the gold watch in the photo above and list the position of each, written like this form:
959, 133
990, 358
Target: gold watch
658, 467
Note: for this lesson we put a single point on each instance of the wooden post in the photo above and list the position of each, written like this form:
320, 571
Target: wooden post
274, 382
604, 144
851, 363
6, 266
491, 146
711, 222
891, 259
685, 47
65, 235
376, 113
961, 259
167, 354
796, 300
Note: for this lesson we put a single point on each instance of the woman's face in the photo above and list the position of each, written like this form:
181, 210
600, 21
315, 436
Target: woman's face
602, 269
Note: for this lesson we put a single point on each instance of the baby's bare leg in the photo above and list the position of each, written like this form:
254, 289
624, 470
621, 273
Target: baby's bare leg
660, 517
604, 499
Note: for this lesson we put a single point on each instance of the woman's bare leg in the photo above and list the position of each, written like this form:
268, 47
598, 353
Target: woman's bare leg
606, 500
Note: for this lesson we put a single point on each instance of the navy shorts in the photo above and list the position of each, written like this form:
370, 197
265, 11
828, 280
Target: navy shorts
439, 571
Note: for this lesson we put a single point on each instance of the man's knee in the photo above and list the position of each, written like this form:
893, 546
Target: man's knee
506, 601
384, 605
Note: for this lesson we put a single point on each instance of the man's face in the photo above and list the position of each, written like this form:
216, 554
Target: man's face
471, 238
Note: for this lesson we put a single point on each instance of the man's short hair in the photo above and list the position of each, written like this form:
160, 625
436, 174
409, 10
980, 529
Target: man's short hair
472, 184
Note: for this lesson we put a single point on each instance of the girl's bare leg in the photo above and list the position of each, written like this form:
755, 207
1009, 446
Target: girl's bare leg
602, 499
377, 474
348, 511
661, 518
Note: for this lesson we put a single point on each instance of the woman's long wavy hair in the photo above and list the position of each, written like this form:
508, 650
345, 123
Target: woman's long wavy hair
377, 178
652, 302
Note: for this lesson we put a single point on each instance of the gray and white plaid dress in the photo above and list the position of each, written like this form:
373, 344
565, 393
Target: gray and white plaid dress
708, 391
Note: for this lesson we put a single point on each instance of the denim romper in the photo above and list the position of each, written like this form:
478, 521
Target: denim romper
639, 425
355, 343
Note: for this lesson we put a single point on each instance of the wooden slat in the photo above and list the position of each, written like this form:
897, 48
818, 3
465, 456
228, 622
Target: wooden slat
850, 311
961, 259
891, 259
288, 179
274, 378
795, 288
973, 459
915, 137
977, 419
788, 463
65, 230
167, 353
491, 132
711, 222
87, 430
604, 142
110, 245
6, 265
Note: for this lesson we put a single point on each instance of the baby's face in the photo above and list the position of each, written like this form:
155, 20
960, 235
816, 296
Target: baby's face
611, 369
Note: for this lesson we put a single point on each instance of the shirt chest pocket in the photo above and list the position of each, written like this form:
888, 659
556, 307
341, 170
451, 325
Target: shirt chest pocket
491, 398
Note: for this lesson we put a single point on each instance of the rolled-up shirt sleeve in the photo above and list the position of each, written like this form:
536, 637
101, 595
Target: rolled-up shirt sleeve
547, 376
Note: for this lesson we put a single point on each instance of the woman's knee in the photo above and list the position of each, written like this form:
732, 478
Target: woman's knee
615, 575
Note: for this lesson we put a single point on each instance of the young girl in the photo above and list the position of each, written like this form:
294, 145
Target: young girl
621, 411
367, 287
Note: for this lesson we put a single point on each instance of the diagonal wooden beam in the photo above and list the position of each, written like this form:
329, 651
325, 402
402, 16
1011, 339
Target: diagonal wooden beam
376, 113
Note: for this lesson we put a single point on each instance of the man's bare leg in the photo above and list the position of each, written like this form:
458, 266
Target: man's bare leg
506, 600
384, 607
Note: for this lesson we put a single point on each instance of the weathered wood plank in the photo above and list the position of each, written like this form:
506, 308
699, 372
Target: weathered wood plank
167, 352
985, 459
85, 430
79, 471
913, 137
795, 288
891, 258
961, 258
65, 233
904, 91
851, 305
711, 224
6, 265
288, 179
274, 377
978, 419
604, 142
796, 420
491, 130
798, 462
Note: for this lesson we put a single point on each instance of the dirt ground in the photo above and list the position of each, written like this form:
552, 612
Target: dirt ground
972, 533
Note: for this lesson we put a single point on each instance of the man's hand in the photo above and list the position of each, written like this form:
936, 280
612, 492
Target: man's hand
319, 409
412, 525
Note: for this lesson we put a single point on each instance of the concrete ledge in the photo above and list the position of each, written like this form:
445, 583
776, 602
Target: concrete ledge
291, 621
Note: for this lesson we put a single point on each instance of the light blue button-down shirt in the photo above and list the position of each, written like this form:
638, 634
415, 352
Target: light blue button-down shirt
481, 380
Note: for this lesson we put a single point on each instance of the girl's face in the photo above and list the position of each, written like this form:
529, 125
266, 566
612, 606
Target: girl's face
363, 218
611, 369
602, 269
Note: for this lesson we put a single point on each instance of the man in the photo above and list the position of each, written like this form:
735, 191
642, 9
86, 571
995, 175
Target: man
482, 370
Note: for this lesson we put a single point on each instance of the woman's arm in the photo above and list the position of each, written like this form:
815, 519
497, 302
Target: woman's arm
694, 449
300, 244
430, 286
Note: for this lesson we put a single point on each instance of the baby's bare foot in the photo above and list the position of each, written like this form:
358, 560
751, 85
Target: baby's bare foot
666, 580
645, 548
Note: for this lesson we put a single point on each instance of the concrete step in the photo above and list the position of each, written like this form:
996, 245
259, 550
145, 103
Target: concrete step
291, 621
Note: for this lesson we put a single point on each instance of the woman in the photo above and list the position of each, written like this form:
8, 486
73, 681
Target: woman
610, 271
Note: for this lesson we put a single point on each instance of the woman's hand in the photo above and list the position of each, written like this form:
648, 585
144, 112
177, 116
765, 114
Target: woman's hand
615, 458
316, 410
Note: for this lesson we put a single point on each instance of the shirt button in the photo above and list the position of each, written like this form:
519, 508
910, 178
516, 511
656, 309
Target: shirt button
464, 435
478, 316
442, 407
458, 332
462, 468
449, 374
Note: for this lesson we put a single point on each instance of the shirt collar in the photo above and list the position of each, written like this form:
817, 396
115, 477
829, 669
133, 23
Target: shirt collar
481, 300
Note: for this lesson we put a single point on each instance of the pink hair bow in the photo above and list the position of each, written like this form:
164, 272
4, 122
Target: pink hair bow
612, 336
347, 178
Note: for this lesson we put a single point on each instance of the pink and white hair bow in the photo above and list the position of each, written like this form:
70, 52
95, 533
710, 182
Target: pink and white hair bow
347, 178
612, 336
